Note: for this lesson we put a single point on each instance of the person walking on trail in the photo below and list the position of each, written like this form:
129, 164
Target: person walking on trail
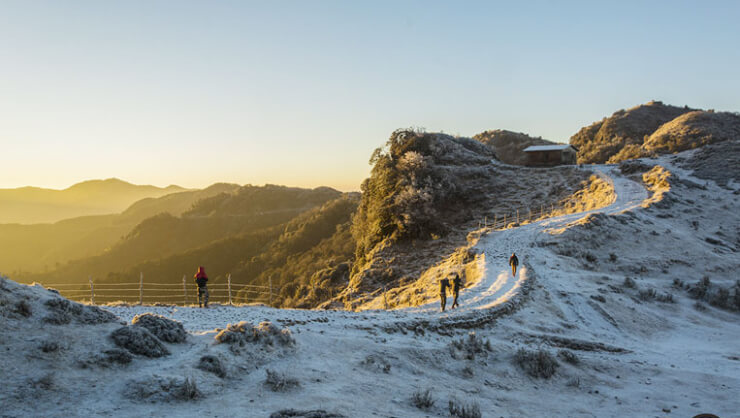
201, 278
513, 262
443, 285
456, 285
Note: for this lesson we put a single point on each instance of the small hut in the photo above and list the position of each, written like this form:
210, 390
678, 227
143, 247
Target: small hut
550, 155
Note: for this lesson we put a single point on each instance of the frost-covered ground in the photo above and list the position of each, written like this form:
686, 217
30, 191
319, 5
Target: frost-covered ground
632, 351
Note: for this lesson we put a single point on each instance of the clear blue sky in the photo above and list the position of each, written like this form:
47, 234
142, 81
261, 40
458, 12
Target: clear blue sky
300, 93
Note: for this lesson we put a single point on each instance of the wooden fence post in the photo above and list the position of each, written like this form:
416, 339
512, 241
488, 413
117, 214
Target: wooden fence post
485, 222
92, 290
530, 214
542, 211
495, 220
270, 290
141, 288
552, 209
184, 291
517, 216
229, 280
385, 298
504, 221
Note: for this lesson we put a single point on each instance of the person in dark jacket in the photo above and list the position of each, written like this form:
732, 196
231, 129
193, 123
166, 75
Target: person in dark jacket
443, 285
201, 278
513, 262
456, 285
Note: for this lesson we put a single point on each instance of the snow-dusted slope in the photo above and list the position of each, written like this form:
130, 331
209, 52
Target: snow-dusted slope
636, 355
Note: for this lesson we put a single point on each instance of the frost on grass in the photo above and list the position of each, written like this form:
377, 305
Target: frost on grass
468, 347
721, 297
423, 399
294, 413
63, 311
377, 363
266, 333
163, 328
538, 363
458, 409
212, 364
139, 340
106, 359
162, 389
569, 357
279, 382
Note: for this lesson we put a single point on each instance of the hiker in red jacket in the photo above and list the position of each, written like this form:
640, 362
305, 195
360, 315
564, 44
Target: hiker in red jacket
201, 278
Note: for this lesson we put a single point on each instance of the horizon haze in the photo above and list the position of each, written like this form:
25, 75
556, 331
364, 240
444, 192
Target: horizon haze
301, 93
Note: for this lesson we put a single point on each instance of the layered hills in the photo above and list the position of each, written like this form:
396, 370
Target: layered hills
29, 205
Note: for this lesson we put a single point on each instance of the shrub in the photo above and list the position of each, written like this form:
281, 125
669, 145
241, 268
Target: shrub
212, 364
139, 340
23, 309
423, 399
294, 413
375, 362
63, 311
239, 334
538, 363
468, 347
647, 294
242, 333
163, 328
665, 297
49, 346
629, 282
278, 382
162, 389
460, 410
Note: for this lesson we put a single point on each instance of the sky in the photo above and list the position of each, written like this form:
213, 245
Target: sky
301, 92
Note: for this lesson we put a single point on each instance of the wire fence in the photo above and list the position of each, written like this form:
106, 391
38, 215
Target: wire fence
186, 293
518, 217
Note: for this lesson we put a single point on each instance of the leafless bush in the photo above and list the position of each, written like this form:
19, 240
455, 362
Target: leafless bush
458, 409
568, 357
163, 328
629, 283
139, 340
468, 347
538, 363
278, 382
212, 364
468, 372
423, 399
700, 306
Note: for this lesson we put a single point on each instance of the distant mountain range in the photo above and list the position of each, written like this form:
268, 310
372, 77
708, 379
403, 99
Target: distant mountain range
31, 205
